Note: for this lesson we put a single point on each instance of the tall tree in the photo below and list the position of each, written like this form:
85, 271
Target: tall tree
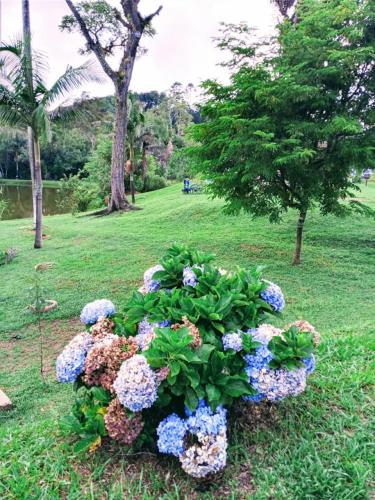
108, 29
287, 131
36, 190
20, 108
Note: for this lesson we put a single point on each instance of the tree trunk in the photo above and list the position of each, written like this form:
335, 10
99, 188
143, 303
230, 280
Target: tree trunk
118, 198
29, 74
31, 155
131, 173
38, 194
300, 224
144, 161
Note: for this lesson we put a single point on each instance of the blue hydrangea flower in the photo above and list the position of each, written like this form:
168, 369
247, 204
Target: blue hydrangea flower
149, 283
232, 341
270, 384
70, 363
273, 295
205, 421
136, 384
171, 433
310, 364
94, 310
189, 278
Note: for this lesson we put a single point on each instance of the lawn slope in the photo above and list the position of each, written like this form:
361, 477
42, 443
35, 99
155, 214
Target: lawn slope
315, 446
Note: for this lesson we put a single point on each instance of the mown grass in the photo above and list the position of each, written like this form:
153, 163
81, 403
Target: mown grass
314, 446
25, 182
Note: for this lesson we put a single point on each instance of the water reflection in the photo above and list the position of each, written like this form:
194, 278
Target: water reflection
20, 203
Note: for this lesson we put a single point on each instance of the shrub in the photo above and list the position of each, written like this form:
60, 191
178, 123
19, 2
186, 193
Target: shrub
154, 182
79, 195
188, 345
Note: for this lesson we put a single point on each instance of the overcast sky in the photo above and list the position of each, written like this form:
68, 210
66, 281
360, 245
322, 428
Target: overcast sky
182, 49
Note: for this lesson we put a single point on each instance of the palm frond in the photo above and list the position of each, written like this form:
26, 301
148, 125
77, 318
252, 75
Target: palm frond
70, 113
10, 117
72, 79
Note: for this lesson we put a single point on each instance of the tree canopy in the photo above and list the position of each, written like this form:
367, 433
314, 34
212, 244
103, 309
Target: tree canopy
287, 130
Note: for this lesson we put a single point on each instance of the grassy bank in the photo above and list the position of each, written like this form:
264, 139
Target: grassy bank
315, 446
25, 182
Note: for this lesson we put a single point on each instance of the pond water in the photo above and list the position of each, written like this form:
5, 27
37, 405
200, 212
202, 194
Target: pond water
20, 202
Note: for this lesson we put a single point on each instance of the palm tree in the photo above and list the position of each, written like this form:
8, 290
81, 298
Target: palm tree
27, 105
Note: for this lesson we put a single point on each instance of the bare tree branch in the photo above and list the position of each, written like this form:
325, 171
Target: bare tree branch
149, 18
93, 45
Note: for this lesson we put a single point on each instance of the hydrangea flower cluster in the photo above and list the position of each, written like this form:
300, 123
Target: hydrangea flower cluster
273, 384
208, 456
70, 363
94, 310
171, 435
136, 384
129, 377
274, 296
149, 284
232, 341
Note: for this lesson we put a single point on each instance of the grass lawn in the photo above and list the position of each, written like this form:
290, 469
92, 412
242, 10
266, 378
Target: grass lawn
317, 446
25, 182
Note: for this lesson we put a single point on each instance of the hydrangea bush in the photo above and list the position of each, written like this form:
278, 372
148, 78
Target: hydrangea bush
167, 369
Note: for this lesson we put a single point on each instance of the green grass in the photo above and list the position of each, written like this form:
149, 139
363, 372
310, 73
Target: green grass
25, 182
317, 446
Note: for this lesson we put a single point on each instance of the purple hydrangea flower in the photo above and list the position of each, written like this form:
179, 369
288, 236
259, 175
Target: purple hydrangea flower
136, 384
150, 284
232, 341
271, 384
93, 310
189, 277
273, 295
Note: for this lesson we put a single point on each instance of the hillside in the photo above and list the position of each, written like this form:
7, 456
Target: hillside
314, 446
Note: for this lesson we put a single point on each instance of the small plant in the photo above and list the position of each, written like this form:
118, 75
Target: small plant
6, 256
40, 305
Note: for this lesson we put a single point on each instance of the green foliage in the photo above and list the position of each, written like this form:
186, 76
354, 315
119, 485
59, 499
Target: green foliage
290, 349
153, 182
87, 419
79, 195
219, 303
20, 105
203, 373
179, 165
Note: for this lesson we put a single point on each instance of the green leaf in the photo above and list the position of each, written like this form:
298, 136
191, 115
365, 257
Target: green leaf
85, 443
237, 388
213, 393
70, 424
191, 398
204, 352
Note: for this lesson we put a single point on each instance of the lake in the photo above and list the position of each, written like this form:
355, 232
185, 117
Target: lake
20, 203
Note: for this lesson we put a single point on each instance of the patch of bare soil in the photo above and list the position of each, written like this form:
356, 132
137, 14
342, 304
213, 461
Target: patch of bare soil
23, 347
